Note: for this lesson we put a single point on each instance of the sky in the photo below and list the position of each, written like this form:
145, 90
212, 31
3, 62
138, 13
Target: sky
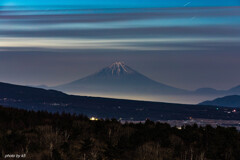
188, 44
126, 3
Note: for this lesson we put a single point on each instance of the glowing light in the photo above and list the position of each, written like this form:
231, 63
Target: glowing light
94, 119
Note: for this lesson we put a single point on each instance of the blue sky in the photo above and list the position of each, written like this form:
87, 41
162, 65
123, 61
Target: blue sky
127, 3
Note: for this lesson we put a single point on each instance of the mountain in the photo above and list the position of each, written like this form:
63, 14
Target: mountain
228, 101
207, 91
118, 78
212, 91
36, 99
41, 86
235, 90
18, 92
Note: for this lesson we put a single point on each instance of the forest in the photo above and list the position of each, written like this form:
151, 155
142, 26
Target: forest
53, 136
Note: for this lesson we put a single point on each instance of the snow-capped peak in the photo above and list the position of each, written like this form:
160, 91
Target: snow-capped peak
118, 68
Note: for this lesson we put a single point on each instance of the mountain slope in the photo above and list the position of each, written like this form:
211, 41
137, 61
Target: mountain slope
119, 78
36, 99
21, 92
212, 91
207, 91
228, 101
235, 90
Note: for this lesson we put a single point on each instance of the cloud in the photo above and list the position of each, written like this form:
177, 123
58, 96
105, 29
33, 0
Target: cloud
124, 29
91, 16
213, 31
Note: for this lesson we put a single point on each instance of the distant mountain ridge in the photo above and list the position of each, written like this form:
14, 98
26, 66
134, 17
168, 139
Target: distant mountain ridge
207, 91
227, 101
19, 92
36, 99
235, 90
119, 78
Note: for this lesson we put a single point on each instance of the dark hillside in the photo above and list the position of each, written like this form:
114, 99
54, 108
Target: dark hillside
53, 101
45, 136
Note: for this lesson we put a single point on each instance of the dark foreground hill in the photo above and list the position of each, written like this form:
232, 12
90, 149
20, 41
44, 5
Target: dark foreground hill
45, 136
53, 101
228, 101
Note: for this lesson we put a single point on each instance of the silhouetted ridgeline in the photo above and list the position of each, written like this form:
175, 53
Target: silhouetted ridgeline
36, 99
227, 101
45, 136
